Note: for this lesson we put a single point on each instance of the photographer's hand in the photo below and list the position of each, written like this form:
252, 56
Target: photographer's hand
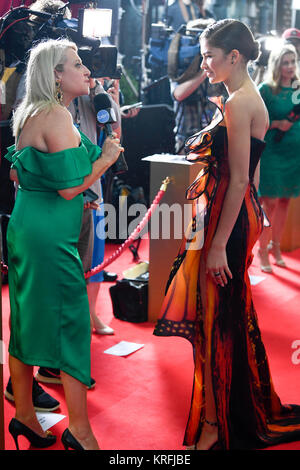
113, 91
129, 112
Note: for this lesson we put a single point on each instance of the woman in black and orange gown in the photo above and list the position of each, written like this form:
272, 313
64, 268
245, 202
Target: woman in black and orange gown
208, 295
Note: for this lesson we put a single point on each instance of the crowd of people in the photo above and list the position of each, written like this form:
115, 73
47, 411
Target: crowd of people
56, 156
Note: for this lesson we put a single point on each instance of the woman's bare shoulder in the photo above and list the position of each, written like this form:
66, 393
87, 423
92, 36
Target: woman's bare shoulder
59, 133
237, 111
56, 115
246, 107
240, 97
245, 102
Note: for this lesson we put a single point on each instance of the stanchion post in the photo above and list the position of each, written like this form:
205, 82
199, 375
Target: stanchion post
182, 174
1, 368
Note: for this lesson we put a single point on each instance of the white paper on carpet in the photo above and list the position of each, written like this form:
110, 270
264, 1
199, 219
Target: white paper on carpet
256, 279
48, 419
124, 348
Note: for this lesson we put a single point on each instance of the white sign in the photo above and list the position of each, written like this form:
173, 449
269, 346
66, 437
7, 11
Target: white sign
124, 348
256, 279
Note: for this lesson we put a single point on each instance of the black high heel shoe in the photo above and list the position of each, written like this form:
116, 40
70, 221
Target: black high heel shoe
16, 429
69, 440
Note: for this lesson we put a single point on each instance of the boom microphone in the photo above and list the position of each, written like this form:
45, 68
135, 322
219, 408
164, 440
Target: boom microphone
106, 116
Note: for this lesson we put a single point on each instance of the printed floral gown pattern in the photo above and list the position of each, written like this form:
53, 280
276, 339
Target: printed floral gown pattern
249, 413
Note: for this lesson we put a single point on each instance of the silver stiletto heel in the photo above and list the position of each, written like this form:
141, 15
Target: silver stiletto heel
278, 260
266, 268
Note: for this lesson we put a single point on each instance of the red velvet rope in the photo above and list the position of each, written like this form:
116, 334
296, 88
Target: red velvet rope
134, 234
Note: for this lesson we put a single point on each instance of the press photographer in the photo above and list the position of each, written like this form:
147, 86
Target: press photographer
189, 85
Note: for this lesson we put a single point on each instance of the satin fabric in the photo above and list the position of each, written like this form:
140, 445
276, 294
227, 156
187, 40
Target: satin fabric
50, 321
224, 327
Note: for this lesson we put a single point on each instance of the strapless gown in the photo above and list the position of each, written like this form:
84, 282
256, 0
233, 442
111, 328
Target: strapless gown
249, 413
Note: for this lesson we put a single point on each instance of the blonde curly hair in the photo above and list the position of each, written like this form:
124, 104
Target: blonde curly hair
273, 75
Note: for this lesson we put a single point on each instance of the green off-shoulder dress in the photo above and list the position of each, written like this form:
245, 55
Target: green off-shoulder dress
280, 162
50, 321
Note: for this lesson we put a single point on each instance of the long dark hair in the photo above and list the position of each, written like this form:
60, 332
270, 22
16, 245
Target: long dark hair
232, 34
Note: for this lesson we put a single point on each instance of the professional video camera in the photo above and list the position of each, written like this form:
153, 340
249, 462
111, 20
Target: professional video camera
22, 27
171, 53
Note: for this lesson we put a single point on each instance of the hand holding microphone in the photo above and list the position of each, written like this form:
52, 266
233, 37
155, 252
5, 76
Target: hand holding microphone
111, 148
106, 117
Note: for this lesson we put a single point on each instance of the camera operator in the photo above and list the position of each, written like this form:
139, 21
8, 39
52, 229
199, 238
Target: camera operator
84, 116
192, 109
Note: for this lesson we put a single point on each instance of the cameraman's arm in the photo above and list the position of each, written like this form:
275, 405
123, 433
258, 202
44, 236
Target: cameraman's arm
184, 90
114, 91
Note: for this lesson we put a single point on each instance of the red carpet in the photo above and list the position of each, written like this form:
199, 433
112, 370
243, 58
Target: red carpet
141, 402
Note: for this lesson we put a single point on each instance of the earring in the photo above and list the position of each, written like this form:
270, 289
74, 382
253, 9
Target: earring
58, 93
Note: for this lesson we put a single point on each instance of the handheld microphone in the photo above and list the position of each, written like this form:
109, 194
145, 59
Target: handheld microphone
104, 112
106, 116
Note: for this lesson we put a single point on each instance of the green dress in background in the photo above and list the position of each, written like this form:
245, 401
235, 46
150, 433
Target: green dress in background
50, 321
280, 161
